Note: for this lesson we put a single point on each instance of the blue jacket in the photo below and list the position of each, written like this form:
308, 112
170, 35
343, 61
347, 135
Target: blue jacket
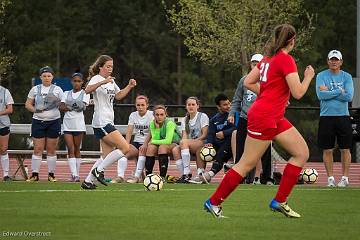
219, 123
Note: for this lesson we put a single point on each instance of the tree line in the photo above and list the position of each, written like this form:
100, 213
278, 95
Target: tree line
174, 49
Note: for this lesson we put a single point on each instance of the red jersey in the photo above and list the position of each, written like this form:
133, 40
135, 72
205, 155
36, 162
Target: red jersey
274, 90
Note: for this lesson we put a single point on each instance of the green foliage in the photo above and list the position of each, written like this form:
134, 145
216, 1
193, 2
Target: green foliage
229, 32
219, 35
6, 58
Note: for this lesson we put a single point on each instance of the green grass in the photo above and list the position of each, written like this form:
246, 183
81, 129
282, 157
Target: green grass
128, 212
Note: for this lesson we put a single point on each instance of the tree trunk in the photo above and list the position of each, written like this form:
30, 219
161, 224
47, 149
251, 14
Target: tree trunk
179, 77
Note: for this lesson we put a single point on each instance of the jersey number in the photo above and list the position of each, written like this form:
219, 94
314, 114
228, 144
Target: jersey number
264, 67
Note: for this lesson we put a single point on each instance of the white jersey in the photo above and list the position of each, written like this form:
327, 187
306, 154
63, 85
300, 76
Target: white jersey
204, 121
141, 125
73, 120
103, 102
47, 115
5, 99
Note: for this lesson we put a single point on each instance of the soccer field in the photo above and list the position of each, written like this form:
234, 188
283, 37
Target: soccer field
63, 211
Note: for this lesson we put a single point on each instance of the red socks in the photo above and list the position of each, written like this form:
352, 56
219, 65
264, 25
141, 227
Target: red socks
288, 181
226, 187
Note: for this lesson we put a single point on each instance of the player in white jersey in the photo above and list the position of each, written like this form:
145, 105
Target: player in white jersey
194, 132
105, 90
73, 104
138, 124
43, 100
6, 102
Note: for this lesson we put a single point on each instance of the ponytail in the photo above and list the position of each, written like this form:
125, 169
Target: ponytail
284, 34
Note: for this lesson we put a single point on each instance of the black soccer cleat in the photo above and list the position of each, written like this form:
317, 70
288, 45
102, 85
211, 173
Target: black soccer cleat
99, 176
184, 178
7, 179
88, 185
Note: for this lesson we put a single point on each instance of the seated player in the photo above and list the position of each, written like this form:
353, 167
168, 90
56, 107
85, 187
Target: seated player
219, 137
139, 122
163, 138
194, 132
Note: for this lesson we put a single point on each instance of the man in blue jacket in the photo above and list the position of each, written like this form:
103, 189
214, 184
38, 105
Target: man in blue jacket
219, 136
335, 90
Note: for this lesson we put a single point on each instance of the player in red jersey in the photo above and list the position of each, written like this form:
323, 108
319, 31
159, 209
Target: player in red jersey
274, 78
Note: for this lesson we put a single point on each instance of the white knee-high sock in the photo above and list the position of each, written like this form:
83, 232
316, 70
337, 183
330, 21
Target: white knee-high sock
185, 155
122, 165
90, 177
180, 166
78, 163
140, 166
110, 159
51, 161
5, 164
35, 163
72, 166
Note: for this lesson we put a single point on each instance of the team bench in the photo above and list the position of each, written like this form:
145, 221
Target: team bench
21, 155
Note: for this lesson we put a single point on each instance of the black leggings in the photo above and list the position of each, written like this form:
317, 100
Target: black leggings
265, 159
223, 154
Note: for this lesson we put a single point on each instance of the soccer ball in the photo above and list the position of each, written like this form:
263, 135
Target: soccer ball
310, 175
153, 182
207, 154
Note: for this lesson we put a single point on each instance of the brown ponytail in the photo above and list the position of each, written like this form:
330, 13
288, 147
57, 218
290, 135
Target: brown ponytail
284, 33
187, 117
95, 67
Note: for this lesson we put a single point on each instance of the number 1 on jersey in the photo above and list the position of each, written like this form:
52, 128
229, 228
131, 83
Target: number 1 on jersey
264, 67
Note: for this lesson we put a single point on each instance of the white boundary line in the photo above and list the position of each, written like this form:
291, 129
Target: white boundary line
167, 190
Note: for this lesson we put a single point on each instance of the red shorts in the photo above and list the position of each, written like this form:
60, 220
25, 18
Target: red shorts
266, 129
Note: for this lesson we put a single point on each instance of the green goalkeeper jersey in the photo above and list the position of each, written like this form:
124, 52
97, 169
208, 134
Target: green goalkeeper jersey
166, 134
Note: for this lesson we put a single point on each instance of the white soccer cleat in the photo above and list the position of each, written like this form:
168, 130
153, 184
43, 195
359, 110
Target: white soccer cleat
343, 183
133, 180
331, 182
205, 177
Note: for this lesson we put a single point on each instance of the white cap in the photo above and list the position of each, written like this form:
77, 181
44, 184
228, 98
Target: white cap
335, 54
256, 57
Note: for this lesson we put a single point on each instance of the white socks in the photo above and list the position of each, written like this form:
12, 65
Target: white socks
200, 171
185, 155
51, 162
122, 165
72, 166
5, 164
35, 163
180, 166
110, 159
140, 166
90, 178
78, 163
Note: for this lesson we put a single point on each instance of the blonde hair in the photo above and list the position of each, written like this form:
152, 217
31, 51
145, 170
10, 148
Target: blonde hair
100, 62
159, 106
187, 117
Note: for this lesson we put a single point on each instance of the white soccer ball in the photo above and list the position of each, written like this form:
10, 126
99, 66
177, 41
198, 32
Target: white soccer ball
207, 154
310, 175
153, 182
